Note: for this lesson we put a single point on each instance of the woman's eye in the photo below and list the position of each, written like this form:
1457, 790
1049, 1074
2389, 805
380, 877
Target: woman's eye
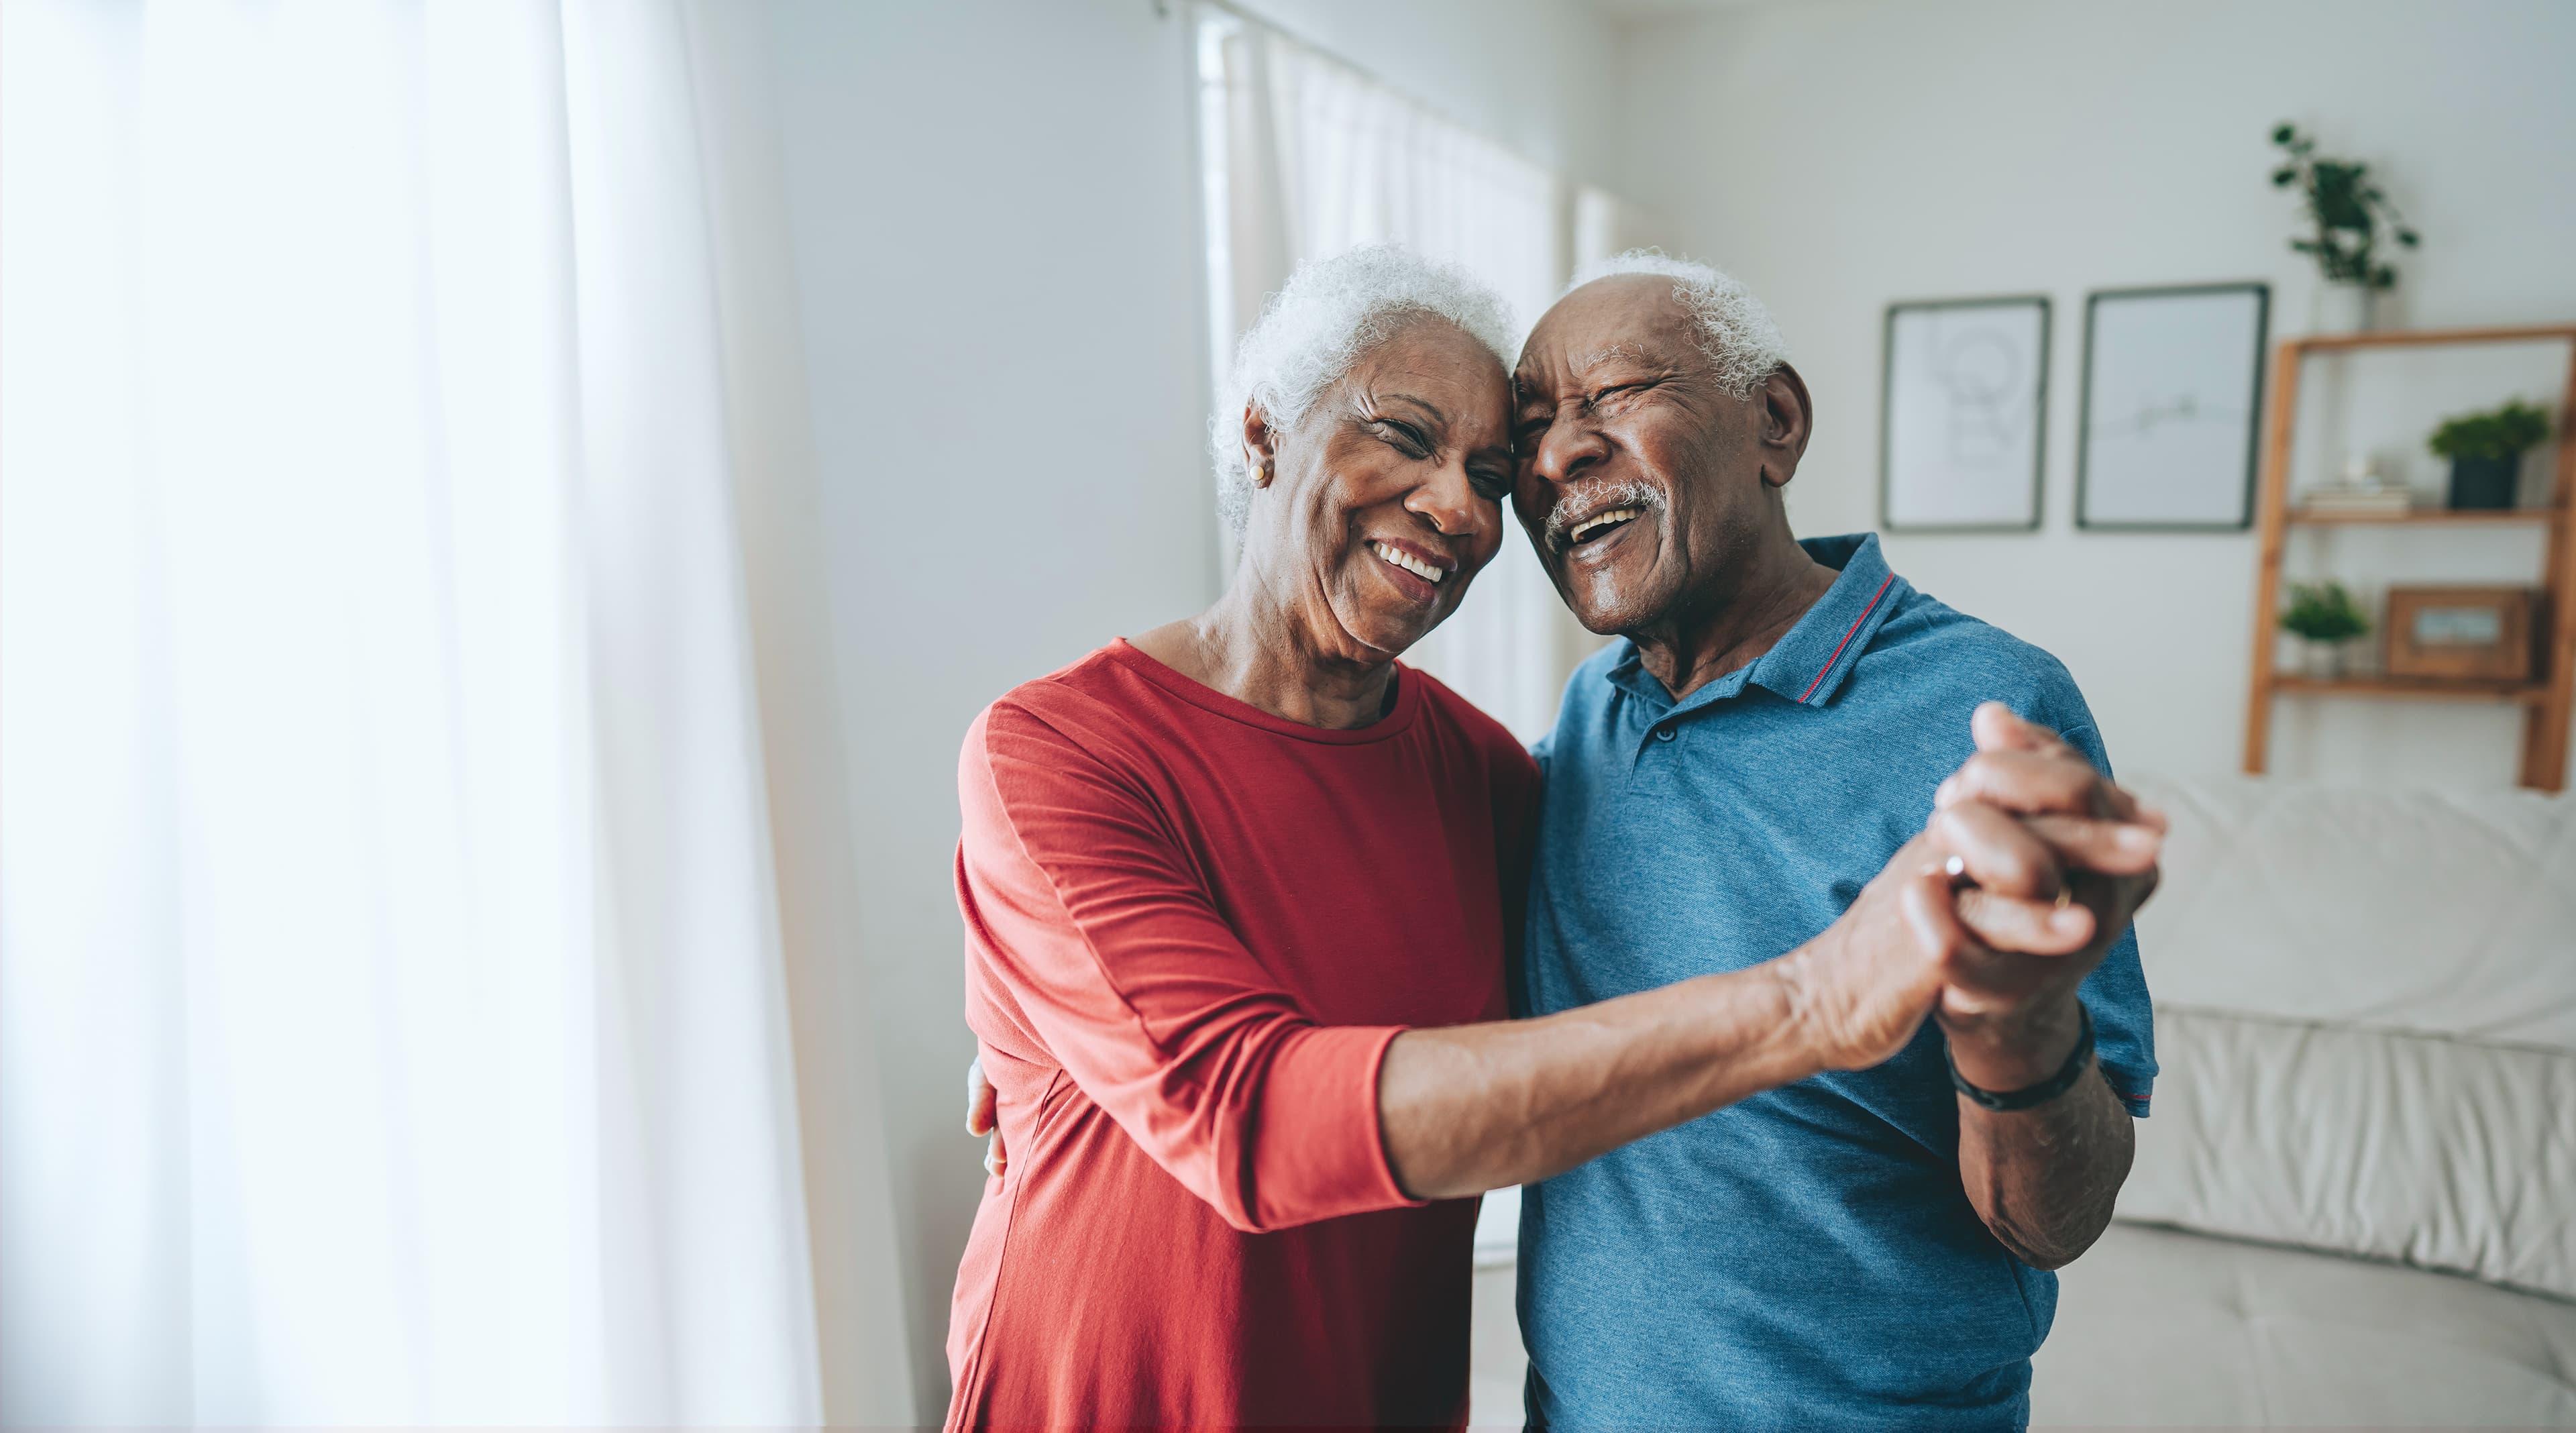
1406, 438
1490, 485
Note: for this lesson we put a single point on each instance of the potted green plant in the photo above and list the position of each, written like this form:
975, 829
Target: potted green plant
2324, 616
2347, 214
2486, 451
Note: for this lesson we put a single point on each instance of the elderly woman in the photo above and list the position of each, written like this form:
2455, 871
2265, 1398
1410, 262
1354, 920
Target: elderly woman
1239, 895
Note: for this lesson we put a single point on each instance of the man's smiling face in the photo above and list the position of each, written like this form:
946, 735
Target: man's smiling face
1639, 477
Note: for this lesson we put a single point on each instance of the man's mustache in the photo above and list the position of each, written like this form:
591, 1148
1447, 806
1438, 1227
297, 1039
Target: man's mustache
1573, 505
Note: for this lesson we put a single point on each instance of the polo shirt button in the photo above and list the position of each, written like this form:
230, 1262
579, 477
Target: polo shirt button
1663, 733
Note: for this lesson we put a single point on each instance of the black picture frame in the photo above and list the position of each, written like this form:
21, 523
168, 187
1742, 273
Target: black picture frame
2244, 519
2039, 413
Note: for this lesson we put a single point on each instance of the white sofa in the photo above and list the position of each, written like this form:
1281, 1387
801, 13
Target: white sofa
2355, 1203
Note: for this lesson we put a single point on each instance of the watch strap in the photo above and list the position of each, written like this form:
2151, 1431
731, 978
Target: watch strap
2045, 1090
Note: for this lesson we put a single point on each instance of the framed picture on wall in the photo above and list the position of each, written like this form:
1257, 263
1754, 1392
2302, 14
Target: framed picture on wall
1964, 416
2173, 397
2460, 633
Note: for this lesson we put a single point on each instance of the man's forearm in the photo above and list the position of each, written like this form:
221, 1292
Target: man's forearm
1478, 1107
2044, 1179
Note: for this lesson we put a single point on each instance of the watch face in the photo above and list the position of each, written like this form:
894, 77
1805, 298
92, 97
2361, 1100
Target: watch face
2458, 627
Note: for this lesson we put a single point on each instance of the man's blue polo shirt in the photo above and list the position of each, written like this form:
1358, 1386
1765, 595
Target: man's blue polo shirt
1807, 1258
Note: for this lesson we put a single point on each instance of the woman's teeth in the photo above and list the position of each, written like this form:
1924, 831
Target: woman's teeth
1407, 561
1598, 521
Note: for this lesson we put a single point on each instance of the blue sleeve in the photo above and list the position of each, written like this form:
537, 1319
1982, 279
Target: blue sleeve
2115, 994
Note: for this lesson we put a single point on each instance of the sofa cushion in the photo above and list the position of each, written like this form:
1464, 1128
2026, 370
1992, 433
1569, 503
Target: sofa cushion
2162, 1328
2430, 1150
2449, 913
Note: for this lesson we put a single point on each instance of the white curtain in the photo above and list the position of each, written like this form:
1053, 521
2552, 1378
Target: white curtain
394, 1024
1307, 157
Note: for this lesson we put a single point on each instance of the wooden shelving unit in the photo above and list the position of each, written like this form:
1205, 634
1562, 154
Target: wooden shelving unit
2546, 703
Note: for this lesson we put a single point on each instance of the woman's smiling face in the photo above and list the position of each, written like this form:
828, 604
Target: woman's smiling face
1384, 499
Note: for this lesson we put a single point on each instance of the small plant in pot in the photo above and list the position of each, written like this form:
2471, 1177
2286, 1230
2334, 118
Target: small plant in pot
2486, 451
2326, 618
2347, 215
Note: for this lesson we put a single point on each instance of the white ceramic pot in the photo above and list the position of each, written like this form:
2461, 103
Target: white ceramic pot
2321, 661
2341, 308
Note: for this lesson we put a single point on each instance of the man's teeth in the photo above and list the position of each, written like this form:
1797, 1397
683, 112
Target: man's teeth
1408, 562
1600, 520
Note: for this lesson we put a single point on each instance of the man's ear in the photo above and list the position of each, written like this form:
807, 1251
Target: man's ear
1787, 418
1260, 444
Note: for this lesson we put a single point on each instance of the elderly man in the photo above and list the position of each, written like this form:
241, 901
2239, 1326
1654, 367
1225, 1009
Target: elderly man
1863, 1248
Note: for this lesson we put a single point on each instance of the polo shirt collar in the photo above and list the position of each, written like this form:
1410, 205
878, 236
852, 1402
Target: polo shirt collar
1808, 664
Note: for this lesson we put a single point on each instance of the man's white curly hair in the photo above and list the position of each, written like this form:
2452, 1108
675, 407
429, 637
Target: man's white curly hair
1735, 330
1313, 330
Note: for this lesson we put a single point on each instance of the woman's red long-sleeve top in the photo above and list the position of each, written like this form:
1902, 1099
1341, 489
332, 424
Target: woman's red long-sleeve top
1192, 929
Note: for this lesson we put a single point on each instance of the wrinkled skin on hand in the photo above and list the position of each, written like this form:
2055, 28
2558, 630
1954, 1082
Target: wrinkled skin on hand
2010, 1010
1862, 989
2057, 859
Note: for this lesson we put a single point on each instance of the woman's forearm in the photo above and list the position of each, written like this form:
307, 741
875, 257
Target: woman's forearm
1477, 1107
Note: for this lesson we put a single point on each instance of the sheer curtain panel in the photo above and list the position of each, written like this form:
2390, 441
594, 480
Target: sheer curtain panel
393, 1020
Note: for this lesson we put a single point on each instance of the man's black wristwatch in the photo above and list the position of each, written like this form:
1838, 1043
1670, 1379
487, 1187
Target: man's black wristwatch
2045, 1090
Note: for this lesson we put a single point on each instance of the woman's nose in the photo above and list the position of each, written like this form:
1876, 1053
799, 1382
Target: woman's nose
1449, 500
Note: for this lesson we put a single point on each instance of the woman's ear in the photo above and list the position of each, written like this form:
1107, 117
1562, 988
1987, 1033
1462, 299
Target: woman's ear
1260, 445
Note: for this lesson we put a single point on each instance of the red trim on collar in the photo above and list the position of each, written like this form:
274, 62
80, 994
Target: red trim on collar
1847, 636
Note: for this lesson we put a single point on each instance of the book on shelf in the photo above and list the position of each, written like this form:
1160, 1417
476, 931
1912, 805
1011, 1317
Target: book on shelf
2391, 502
2361, 490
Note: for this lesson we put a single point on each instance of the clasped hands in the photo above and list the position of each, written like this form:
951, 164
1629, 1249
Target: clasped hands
2030, 867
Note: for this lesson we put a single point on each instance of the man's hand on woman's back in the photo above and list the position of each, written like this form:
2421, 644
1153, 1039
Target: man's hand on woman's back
982, 1119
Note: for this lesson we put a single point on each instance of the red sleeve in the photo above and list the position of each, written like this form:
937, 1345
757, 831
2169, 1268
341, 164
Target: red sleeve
1093, 919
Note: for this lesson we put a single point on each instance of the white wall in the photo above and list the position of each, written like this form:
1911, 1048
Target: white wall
995, 227
1841, 154
996, 250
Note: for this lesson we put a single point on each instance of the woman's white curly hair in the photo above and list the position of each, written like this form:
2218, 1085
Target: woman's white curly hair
1735, 330
1313, 330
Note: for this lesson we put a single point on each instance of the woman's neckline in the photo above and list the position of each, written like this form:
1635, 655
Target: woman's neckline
1408, 701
